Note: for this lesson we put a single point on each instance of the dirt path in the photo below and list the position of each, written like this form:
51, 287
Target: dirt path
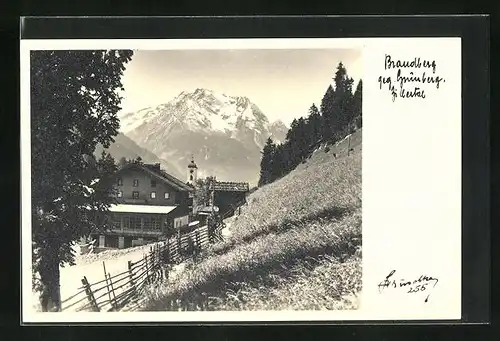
71, 277
91, 266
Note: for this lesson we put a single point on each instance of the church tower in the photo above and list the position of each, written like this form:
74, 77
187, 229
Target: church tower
192, 172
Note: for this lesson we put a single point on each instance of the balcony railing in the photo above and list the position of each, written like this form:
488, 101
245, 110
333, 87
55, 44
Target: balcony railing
134, 232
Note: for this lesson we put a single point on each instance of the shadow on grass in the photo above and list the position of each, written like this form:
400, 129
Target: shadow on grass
216, 285
335, 213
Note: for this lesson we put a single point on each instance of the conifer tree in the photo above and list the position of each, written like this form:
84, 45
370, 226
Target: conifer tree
266, 164
279, 164
342, 101
340, 113
328, 115
357, 104
315, 123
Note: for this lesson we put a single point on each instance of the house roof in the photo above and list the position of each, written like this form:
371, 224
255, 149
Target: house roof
142, 208
160, 174
231, 186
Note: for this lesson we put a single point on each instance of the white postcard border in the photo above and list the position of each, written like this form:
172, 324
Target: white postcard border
377, 246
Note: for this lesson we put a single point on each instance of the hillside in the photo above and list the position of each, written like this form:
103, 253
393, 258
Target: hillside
125, 147
225, 133
296, 245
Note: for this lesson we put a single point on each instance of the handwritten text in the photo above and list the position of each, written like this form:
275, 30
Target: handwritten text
409, 78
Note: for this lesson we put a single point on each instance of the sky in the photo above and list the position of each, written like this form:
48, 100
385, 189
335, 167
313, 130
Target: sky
283, 83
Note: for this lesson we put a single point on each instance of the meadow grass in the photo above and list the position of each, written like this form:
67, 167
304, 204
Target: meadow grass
329, 190
267, 255
296, 245
330, 285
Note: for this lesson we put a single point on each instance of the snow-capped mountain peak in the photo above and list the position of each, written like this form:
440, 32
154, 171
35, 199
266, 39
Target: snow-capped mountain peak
225, 133
200, 110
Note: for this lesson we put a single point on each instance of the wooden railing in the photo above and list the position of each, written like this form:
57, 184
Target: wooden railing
138, 232
114, 292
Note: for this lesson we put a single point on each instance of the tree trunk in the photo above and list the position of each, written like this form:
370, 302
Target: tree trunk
50, 297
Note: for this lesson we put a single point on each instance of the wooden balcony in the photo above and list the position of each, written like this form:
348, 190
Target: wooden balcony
134, 232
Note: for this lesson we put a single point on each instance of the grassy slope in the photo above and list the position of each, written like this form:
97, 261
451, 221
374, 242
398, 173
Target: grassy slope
295, 246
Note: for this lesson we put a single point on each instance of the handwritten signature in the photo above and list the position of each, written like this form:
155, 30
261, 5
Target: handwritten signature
421, 284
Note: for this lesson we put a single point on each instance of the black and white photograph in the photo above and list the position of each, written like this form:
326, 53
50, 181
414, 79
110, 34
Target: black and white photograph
241, 180
173, 180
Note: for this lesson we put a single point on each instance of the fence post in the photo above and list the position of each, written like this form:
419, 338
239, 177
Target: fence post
210, 229
159, 263
349, 145
131, 275
115, 305
168, 252
197, 241
158, 255
147, 270
90, 295
107, 285
156, 262
179, 244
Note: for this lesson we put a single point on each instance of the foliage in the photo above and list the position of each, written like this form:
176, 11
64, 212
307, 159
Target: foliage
266, 163
357, 104
74, 104
202, 191
122, 162
340, 115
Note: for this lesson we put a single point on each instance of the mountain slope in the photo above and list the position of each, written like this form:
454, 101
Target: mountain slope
295, 246
125, 147
224, 133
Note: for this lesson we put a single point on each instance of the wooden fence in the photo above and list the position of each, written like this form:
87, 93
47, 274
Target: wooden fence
115, 292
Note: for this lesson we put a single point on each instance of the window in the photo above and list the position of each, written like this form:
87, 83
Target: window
153, 195
135, 223
116, 222
152, 223
136, 182
119, 182
167, 195
135, 195
153, 183
119, 194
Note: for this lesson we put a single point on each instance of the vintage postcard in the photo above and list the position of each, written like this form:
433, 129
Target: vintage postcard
241, 179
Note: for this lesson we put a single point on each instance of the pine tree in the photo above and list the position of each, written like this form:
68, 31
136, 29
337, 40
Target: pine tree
315, 122
266, 164
279, 163
340, 109
357, 104
342, 100
74, 105
286, 157
327, 112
